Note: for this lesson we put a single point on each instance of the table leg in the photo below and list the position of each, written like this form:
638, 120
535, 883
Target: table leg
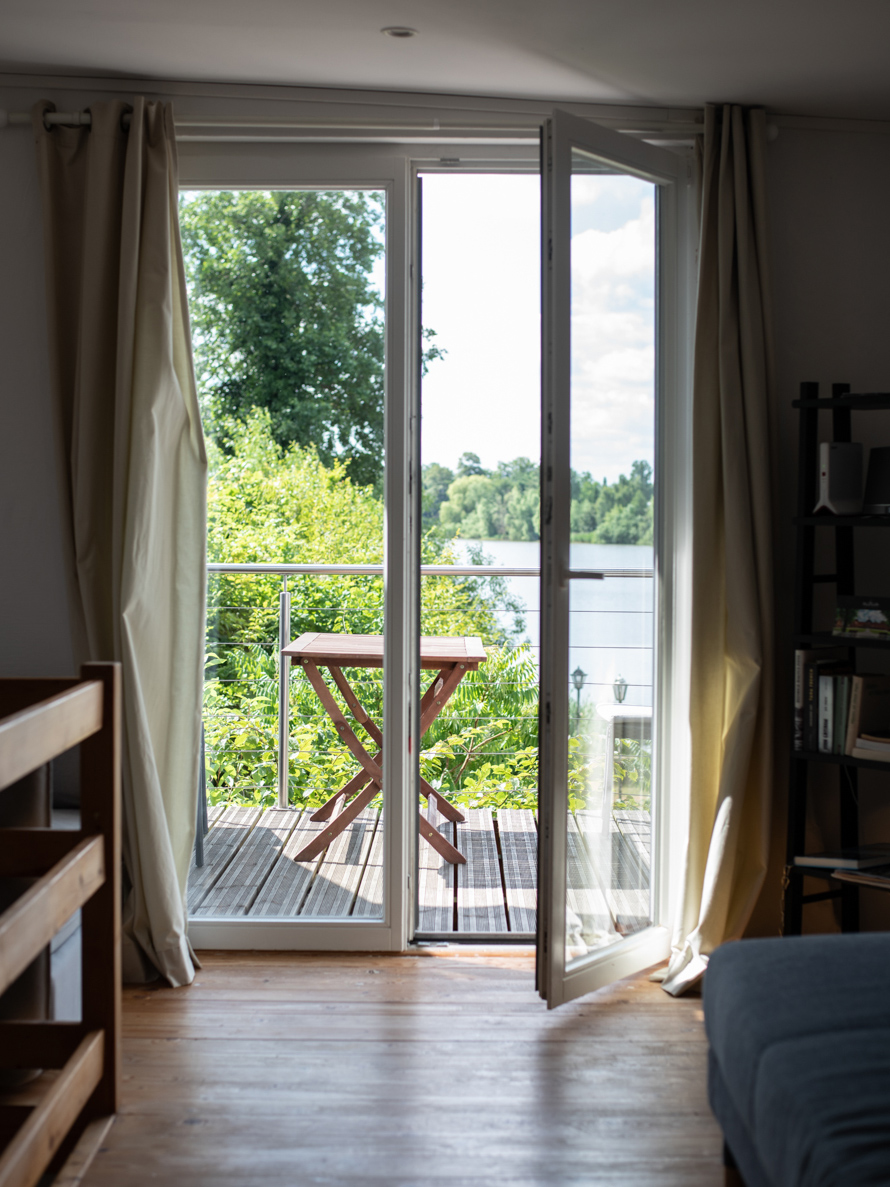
442, 846
356, 783
435, 697
445, 806
318, 845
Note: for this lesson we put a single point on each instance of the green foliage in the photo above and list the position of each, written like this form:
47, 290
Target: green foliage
616, 513
632, 773
285, 316
268, 504
503, 504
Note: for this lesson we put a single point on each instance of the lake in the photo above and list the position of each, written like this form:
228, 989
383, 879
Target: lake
610, 623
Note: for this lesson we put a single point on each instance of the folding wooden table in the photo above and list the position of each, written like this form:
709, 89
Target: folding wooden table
452, 658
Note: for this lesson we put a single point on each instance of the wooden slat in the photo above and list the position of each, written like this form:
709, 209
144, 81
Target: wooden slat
519, 852
23, 692
31, 1150
235, 890
223, 841
337, 879
34, 918
635, 827
366, 651
81, 1157
214, 812
290, 881
39, 1044
33, 736
31, 852
100, 800
586, 894
435, 880
369, 900
480, 894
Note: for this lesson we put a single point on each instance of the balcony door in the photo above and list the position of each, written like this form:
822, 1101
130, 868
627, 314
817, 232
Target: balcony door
611, 385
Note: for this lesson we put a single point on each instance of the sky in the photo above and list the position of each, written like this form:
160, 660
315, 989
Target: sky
481, 295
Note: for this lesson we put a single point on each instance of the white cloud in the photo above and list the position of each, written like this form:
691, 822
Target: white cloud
481, 295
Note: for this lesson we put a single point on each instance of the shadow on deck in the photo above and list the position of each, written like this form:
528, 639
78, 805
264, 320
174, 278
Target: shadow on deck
250, 869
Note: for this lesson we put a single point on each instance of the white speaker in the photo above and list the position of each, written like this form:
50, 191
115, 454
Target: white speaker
840, 477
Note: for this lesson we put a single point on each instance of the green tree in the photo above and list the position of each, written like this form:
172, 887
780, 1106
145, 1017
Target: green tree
268, 504
436, 481
286, 317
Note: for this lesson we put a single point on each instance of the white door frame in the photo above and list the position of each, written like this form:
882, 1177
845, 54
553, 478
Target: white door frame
558, 983
276, 166
392, 168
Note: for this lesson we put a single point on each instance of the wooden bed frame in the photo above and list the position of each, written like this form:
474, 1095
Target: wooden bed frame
59, 1119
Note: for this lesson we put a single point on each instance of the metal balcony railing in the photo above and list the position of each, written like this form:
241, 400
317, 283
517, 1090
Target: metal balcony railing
371, 618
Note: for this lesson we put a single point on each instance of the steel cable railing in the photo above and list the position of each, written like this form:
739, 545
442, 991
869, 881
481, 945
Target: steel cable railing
373, 615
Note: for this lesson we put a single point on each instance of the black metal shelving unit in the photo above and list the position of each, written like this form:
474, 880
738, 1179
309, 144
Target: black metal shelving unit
841, 405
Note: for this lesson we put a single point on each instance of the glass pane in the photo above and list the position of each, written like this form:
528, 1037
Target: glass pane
611, 621
480, 452
286, 298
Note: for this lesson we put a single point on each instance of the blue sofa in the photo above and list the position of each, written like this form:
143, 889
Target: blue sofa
799, 1059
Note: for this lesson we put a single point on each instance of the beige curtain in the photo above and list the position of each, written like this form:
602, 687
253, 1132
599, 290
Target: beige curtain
133, 471
732, 601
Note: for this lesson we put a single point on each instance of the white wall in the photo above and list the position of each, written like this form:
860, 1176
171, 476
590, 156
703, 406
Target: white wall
34, 633
830, 233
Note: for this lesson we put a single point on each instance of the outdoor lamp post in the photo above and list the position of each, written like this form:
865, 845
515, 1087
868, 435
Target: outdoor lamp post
619, 687
578, 678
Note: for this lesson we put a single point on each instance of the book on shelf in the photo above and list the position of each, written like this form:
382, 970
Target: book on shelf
811, 708
870, 752
869, 712
861, 617
861, 857
877, 876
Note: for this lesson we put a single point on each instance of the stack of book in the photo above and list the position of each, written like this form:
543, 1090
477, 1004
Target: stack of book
837, 711
866, 865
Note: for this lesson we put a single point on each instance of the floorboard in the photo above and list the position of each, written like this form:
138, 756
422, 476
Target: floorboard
435, 880
251, 868
290, 881
480, 893
369, 898
230, 830
246, 873
337, 880
335, 1069
519, 852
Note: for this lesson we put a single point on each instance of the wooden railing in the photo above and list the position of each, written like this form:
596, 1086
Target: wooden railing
62, 1115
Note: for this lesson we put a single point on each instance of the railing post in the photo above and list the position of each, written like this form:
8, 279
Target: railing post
283, 695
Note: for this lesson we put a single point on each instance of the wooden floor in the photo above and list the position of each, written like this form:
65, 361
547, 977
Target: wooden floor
250, 869
292, 1069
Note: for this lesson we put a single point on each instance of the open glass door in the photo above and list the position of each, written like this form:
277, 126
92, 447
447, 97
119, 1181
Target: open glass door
609, 229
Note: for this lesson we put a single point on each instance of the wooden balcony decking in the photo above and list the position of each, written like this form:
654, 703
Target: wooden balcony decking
249, 870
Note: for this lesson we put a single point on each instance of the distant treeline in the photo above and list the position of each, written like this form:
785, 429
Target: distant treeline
503, 504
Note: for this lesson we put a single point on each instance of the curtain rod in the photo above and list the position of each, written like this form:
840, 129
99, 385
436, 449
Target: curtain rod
270, 128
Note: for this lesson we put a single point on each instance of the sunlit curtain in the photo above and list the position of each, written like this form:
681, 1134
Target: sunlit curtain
133, 474
731, 706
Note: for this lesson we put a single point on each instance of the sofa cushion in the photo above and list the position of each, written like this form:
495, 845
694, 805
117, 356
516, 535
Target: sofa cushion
761, 992
822, 1110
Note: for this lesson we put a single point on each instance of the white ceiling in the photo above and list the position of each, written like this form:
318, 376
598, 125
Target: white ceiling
819, 57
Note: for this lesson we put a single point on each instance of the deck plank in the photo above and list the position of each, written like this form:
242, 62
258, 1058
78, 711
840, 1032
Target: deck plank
369, 900
337, 881
435, 879
290, 881
585, 894
234, 892
214, 811
229, 832
480, 894
519, 852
